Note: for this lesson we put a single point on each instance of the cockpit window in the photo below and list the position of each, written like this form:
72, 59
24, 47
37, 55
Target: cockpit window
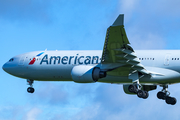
11, 59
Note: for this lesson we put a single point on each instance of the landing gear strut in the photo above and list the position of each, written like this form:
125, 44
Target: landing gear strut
164, 95
30, 89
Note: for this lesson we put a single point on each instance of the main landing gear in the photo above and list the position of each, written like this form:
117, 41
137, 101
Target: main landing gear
164, 95
30, 89
136, 88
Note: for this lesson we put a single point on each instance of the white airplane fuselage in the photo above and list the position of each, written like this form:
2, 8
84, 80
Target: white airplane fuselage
58, 65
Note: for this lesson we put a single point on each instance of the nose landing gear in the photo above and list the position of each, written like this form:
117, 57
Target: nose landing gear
30, 89
164, 95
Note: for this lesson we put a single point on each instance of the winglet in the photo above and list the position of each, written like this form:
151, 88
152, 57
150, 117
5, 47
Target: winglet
119, 21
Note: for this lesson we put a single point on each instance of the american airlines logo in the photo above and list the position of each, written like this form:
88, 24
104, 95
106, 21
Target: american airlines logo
69, 60
34, 59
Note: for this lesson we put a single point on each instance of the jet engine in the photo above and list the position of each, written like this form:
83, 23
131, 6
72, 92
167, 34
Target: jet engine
144, 87
86, 74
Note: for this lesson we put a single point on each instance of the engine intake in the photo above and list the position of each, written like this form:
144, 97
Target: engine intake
87, 74
97, 74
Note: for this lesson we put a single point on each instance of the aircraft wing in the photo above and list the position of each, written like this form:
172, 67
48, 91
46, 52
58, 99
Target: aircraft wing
118, 51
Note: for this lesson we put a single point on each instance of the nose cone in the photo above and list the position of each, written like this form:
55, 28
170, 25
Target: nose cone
10, 68
3, 67
13, 67
6, 68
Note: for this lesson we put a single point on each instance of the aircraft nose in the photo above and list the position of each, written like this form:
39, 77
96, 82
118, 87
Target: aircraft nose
5, 67
10, 68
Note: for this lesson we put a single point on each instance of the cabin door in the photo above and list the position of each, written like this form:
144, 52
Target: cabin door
167, 59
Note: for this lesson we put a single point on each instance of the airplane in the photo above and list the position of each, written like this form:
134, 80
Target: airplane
140, 71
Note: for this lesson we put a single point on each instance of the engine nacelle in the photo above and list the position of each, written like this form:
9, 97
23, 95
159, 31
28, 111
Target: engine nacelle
144, 87
86, 74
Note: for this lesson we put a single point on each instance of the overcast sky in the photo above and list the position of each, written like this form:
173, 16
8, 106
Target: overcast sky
33, 25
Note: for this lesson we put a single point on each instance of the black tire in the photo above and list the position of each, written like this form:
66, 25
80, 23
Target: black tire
30, 90
173, 102
169, 100
146, 95
132, 88
140, 93
161, 95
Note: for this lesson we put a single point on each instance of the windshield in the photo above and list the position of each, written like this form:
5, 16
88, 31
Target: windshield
11, 59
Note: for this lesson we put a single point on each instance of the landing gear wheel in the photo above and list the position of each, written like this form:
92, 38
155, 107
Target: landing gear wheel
30, 90
161, 95
171, 100
146, 95
132, 89
140, 93
164, 94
